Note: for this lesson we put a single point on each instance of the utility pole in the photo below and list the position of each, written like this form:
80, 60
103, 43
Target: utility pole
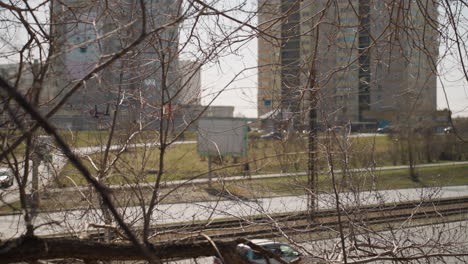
312, 149
312, 138
36, 160
41, 152
210, 174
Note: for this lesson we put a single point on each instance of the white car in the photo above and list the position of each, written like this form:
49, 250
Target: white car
6, 179
283, 250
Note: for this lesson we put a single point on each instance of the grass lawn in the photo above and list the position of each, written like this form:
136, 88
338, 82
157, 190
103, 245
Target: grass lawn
264, 156
100, 137
381, 180
256, 188
183, 161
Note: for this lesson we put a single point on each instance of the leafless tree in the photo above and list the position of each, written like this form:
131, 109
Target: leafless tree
114, 67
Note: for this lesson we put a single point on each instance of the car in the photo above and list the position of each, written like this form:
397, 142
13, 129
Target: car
6, 179
271, 135
282, 250
336, 129
387, 129
448, 130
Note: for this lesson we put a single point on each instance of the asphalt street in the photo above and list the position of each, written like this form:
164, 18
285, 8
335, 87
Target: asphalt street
76, 222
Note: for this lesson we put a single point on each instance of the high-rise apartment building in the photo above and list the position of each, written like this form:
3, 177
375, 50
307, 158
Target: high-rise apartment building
87, 33
369, 57
190, 78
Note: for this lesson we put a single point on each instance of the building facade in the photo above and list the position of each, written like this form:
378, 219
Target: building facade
359, 56
190, 79
140, 83
11, 72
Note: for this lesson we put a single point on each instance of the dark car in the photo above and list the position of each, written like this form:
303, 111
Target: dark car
6, 179
284, 251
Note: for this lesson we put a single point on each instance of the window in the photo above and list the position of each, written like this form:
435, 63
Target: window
364, 40
256, 255
287, 251
365, 20
347, 39
290, 54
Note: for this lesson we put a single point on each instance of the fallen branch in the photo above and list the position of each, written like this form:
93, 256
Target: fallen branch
35, 248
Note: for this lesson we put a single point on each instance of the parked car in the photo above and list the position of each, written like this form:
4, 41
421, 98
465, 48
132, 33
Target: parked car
271, 135
448, 130
387, 129
336, 129
6, 179
283, 250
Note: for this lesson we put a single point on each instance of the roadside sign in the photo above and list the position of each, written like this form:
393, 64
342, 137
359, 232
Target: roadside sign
222, 137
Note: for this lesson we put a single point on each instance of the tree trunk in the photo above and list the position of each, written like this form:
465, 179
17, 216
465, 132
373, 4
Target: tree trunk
34, 248
412, 169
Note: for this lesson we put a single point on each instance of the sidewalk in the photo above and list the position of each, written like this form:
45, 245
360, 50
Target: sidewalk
93, 149
195, 191
258, 176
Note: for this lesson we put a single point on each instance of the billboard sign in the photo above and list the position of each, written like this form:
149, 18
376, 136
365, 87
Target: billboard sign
222, 136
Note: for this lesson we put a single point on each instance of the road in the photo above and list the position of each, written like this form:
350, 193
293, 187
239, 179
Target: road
76, 221
445, 239
47, 170
451, 235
